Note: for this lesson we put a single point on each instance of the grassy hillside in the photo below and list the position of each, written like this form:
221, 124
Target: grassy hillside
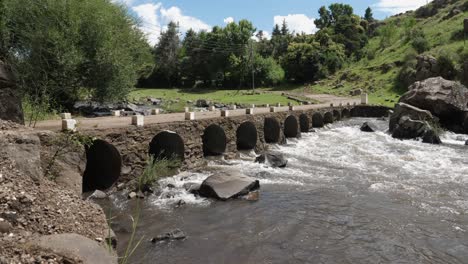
377, 73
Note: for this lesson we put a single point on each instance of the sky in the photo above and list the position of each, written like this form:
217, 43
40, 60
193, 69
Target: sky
264, 14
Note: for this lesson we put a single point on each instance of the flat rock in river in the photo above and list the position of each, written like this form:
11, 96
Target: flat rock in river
228, 184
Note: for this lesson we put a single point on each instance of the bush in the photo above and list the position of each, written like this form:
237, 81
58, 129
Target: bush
407, 74
420, 44
156, 169
447, 62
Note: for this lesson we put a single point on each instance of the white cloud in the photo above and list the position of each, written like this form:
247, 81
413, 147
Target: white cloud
154, 18
125, 2
228, 20
399, 6
297, 22
266, 35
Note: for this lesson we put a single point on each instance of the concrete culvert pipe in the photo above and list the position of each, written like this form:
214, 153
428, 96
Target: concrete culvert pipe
328, 118
336, 115
317, 120
246, 136
345, 113
291, 127
103, 166
214, 141
271, 130
304, 123
167, 145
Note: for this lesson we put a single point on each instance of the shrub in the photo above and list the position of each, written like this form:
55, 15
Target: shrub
447, 62
420, 44
156, 169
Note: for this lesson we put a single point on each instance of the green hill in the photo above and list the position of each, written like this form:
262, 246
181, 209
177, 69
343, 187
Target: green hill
390, 61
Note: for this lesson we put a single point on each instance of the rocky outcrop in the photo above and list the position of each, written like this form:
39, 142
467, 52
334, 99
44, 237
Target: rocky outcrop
445, 99
76, 247
274, 159
408, 128
426, 67
228, 184
10, 102
369, 127
414, 113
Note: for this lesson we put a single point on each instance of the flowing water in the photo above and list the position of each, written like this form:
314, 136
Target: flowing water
345, 197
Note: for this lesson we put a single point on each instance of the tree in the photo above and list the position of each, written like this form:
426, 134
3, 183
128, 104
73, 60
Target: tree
60, 50
167, 53
369, 16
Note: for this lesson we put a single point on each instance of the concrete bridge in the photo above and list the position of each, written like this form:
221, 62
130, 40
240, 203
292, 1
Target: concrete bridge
121, 153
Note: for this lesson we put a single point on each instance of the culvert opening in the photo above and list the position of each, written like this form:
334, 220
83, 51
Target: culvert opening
328, 118
317, 120
246, 136
345, 113
304, 123
291, 127
103, 166
271, 130
336, 115
167, 145
214, 141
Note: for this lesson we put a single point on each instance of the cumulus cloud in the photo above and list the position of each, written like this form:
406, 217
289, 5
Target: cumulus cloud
297, 22
154, 18
266, 35
399, 6
228, 20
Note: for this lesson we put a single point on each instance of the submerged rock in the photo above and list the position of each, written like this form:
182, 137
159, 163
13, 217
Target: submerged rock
414, 113
369, 127
408, 128
176, 234
275, 159
228, 184
431, 137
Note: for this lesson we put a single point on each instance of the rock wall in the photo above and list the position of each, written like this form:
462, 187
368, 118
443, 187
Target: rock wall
10, 102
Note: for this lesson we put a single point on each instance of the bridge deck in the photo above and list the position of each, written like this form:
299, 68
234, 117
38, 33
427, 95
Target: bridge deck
119, 122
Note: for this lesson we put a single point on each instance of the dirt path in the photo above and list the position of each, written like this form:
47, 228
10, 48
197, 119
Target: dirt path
117, 122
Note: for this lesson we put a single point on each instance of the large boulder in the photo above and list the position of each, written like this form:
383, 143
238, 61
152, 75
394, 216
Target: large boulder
274, 159
10, 102
445, 99
408, 128
414, 113
426, 67
76, 247
228, 184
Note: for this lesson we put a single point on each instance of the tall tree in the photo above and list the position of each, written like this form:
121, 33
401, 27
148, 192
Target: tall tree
167, 53
369, 16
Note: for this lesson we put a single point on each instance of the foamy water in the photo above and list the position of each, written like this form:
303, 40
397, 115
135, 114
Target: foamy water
345, 197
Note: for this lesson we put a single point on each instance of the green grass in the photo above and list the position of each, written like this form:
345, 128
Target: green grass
261, 97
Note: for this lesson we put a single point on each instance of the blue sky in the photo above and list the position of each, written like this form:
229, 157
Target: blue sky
203, 14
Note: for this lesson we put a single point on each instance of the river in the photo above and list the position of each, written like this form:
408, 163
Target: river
345, 197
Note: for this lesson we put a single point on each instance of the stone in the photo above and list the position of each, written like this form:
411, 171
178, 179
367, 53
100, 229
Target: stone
402, 109
10, 101
76, 246
364, 99
292, 108
275, 159
212, 108
65, 116
155, 111
252, 196
408, 128
356, 92
68, 125
138, 120
190, 116
97, 194
426, 67
369, 127
233, 107
202, 103
273, 109
5, 227
116, 112
228, 184
466, 143
176, 234
192, 188
445, 99
249, 111
431, 137
132, 195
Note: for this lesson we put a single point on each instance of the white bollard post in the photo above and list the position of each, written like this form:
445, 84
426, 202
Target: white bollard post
249, 111
65, 116
292, 108
252, 106
69, 125
138, 120
233, 107
211, 108
309, 103
155, 111
190, 116
115, 112
289, 104
364, 99
278, 105
267, 105
273, 109
225, 113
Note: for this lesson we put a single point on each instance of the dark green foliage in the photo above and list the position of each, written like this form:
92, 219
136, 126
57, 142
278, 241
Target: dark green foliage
407, 74
447, 61
369, 16
420, 44
65, 49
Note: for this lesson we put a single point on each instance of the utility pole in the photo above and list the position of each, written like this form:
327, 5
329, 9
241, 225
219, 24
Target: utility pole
252, 64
